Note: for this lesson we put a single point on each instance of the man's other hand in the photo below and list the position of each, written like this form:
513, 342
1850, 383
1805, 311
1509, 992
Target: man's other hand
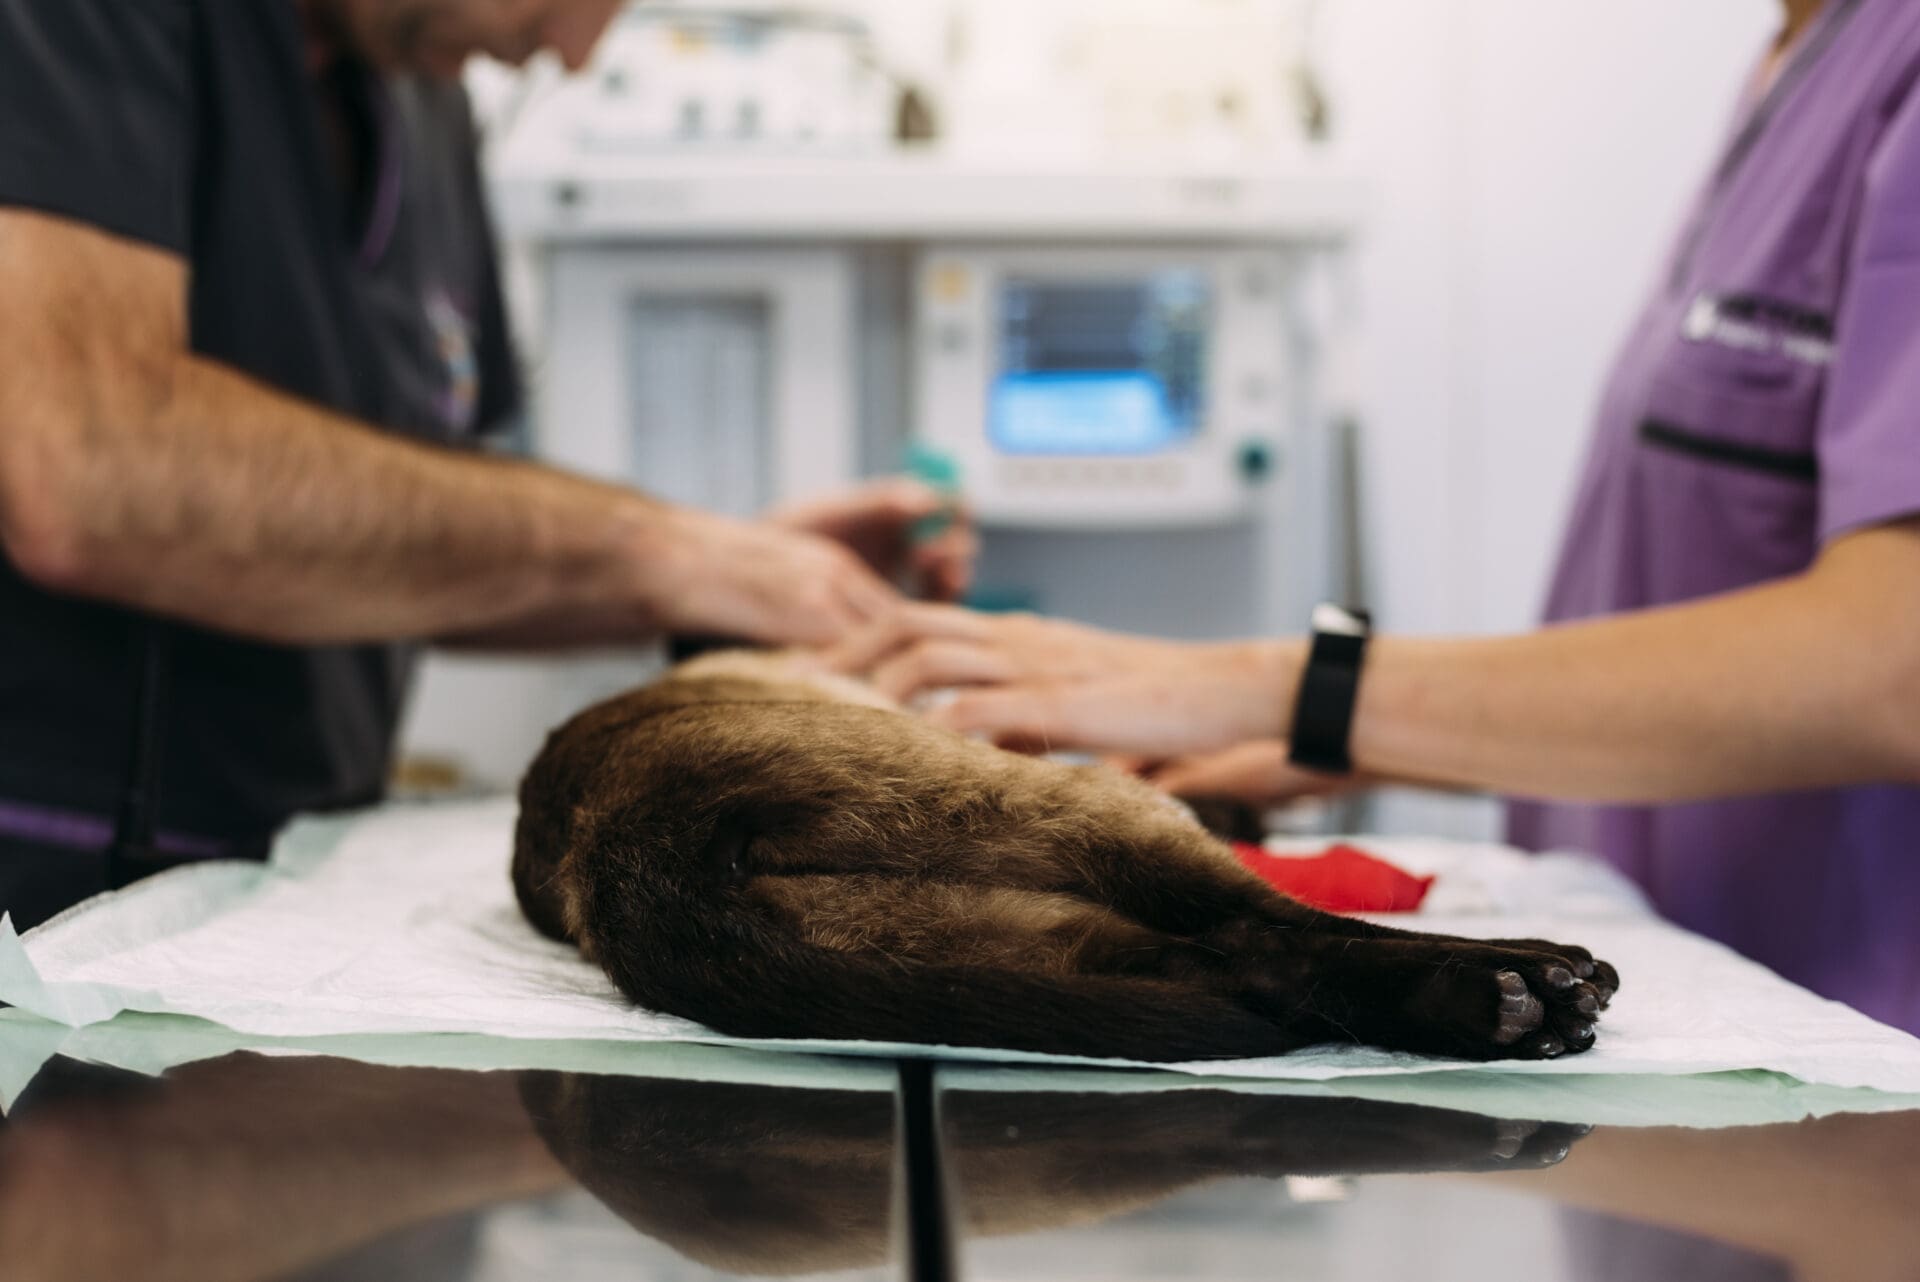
905, 531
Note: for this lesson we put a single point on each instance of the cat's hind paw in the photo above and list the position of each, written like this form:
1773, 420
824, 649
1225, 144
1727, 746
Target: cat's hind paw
1496, 1003
1543, 1011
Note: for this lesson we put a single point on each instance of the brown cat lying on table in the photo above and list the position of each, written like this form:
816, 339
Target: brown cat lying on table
785, 856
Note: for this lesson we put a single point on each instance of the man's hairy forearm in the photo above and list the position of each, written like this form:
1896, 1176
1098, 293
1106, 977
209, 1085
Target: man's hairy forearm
133, 471
240, 508
549, 631
1808, 683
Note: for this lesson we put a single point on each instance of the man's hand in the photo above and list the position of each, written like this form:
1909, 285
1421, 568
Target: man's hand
757, 581
878, 521
1039, 684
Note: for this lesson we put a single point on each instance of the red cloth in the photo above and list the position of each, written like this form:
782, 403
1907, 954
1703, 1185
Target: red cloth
1342, 880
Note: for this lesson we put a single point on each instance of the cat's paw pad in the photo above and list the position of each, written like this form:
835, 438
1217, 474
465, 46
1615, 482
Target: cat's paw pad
1520, 1011
1543, 1010
1583, 965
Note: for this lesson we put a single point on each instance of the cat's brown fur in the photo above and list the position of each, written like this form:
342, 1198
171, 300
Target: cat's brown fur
785, 857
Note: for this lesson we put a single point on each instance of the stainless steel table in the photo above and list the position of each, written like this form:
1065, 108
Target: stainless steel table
268, 1166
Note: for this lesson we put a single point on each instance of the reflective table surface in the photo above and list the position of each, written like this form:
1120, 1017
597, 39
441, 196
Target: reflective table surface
255, 1166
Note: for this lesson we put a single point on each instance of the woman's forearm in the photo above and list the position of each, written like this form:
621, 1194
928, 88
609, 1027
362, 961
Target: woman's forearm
1811, 682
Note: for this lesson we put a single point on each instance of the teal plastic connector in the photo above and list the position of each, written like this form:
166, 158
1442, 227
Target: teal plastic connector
939, 471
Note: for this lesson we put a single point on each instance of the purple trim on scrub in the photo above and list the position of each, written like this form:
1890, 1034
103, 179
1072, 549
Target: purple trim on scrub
385, 218
90, 834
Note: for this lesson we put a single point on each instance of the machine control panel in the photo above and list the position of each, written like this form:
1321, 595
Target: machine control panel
1105, 387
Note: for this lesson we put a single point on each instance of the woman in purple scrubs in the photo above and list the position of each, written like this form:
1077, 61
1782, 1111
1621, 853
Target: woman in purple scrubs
1727, 702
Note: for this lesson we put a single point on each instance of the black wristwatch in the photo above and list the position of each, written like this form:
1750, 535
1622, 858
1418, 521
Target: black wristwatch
1329, 688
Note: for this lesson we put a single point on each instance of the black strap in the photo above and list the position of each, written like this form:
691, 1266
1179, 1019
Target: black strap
1329, 690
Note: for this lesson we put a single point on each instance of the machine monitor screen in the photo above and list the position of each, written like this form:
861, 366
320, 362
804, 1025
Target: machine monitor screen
1090, 367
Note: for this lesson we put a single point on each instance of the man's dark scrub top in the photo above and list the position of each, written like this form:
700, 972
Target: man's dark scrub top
196, 126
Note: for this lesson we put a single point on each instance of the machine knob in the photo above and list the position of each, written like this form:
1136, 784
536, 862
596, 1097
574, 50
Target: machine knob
1256, 461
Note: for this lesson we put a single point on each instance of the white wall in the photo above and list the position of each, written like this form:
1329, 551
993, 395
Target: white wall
1532, 161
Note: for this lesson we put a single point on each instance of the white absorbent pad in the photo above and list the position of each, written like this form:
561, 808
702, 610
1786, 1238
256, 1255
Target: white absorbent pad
401, 920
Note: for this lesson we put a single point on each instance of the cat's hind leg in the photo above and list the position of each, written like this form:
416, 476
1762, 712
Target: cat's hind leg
996, 965
1322, 977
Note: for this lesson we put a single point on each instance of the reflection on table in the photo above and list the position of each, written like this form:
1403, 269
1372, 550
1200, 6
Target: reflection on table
254, 1167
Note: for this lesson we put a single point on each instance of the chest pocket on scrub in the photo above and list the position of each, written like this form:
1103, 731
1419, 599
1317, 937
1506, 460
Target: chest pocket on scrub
1727, 457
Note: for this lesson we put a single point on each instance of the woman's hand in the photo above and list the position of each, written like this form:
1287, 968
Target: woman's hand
881, 523
1040, 684
1257, 774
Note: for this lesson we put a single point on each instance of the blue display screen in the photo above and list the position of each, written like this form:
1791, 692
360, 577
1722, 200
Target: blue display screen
1093, 367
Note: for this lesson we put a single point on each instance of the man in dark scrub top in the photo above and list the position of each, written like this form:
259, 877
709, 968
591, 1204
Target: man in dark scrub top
249, 318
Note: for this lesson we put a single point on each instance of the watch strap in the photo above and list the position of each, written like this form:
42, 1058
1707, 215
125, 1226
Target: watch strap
1329, 691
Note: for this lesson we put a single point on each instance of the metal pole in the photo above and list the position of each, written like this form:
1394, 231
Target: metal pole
135, 845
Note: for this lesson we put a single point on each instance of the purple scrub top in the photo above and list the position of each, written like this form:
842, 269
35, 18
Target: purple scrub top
1768, 401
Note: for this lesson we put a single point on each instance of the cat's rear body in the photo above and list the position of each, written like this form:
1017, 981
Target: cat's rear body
785, 857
